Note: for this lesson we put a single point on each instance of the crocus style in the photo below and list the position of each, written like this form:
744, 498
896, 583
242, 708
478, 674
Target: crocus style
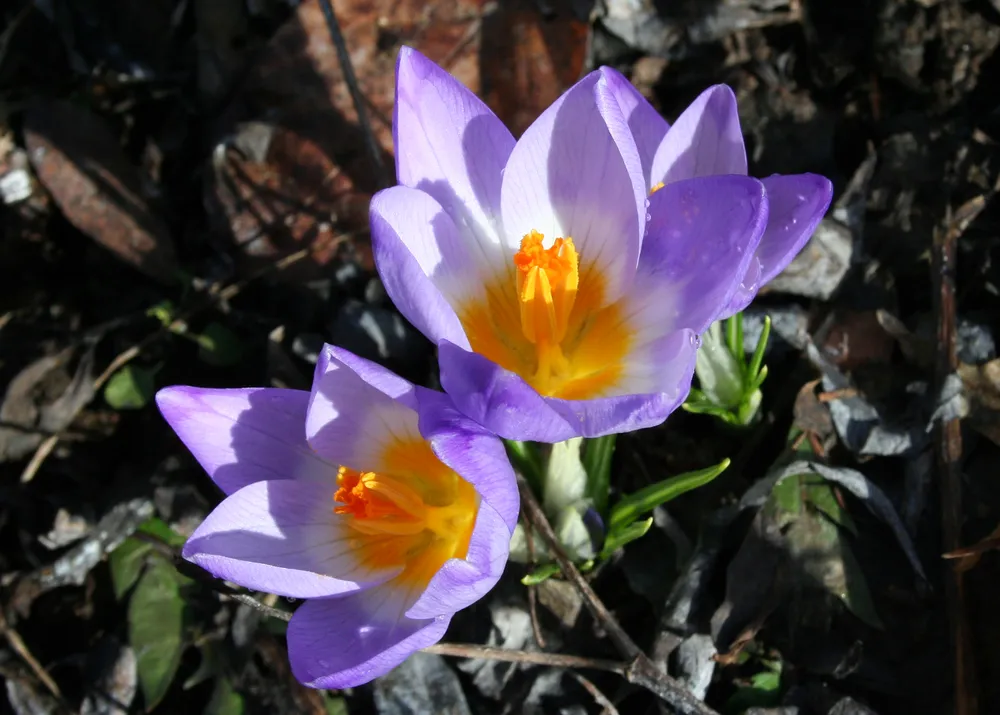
706, 140
370, 497
564, 299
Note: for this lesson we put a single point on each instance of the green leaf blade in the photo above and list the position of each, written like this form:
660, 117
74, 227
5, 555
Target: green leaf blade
156, 629
131, 388
631, 507
126, 563
597, 455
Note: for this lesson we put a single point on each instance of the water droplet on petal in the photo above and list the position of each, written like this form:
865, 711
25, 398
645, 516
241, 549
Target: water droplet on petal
648, 218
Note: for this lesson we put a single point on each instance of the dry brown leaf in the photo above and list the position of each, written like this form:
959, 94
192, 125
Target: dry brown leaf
810, 414
78, 159
529, 59
300, 174
982, 385
857, 338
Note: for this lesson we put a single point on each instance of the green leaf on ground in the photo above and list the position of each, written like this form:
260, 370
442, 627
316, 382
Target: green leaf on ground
160, 530
156, 628
126, 564
131, 388
809, 515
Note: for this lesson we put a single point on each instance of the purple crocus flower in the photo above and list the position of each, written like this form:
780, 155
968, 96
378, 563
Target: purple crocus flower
706, 140
370, 497
564, 299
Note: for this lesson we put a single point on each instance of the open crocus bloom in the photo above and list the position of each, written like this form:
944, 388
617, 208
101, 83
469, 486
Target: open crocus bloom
370, 497
564, 299
706, 140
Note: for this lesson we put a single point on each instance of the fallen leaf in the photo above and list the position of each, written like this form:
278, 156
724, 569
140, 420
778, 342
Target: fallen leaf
303, 176
422, 684
156, 629
816, 544
674, 29
757, 581
916, 349
982, 386
855, 338
28, 699
78, 159
72, 567
131, 388
44, 399
66, 529
530, 58
863, 427
811, 415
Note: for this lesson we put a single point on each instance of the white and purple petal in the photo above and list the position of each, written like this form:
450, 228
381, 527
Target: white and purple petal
473, 452
655, 377
461, 582
705, 140
283, 537
747, 289
424, 262
498, 399
352, 422
451, 146
576, 172
700, 242
506, 405
797, 204
647, 126
336, 643
241, 436
382, 379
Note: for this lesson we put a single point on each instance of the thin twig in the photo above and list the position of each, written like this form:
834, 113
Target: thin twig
552, 660
536, 626
346, 66
640, 670
18, 645
38, 458
599, 697
249, 600
532, 511
949, 447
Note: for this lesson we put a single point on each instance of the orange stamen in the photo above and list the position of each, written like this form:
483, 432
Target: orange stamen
547, 284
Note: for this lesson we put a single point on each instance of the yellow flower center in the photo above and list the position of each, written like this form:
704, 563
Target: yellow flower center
545, 317
547, 283
656, 188
413, 522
